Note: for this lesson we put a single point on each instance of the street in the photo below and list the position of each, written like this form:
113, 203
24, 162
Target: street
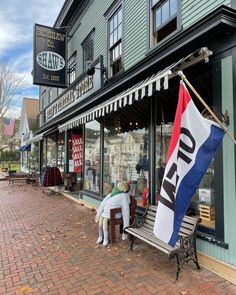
47, 246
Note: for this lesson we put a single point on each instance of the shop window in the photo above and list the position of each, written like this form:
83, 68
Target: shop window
50, 95
71, 66
88, 49
76, 158
115, 42
163, 19
60, 151
92, 156
51, 150
122, 163
44, 155
163, 135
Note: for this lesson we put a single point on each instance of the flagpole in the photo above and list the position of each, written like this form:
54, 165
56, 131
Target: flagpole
183, 77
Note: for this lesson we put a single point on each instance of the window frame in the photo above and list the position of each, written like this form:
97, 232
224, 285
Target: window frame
112, 11
71, 68
151, 40
89, 40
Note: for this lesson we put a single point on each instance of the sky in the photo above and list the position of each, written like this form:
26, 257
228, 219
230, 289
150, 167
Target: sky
17, 19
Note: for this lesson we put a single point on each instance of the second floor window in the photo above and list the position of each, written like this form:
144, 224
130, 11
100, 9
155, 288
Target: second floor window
115, 42
71, 68
88, 49
164, 19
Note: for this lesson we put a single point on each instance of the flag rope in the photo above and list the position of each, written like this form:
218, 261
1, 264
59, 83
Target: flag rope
183, 77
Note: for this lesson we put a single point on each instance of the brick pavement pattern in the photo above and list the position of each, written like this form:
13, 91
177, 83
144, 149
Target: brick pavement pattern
47, 246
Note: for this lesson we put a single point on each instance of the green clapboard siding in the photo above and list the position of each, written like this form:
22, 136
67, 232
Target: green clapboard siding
135, 31
193, 11
226, 255
93, 18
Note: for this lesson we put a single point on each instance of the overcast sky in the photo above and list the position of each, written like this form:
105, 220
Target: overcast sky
17, 18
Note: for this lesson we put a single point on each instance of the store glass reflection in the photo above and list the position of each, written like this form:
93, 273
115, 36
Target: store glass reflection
126, 157
92, 156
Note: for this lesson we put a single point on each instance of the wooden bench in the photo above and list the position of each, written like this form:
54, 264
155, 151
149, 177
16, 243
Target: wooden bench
17, 178
119, 221
185, 248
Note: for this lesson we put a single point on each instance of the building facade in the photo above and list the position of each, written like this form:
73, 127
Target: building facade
28, 125
114, 120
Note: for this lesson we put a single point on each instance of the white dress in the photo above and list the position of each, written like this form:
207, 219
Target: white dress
121, 200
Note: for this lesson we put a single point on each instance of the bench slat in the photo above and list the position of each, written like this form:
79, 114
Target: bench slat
146, 225
189, 219
150, 239
151, 217
184, 232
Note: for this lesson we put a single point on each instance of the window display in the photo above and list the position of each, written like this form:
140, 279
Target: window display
51, 150
163, 135
92, 156
126, 158
75, 168
60, 151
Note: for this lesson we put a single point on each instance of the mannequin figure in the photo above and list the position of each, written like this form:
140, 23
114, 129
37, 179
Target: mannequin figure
119, 197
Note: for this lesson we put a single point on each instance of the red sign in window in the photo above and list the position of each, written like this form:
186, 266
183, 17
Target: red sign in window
77, 152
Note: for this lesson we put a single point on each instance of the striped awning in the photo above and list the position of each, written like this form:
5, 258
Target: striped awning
37, 137
138, 91
26, 147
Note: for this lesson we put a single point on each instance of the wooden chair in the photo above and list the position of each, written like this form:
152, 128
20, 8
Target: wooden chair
119, 221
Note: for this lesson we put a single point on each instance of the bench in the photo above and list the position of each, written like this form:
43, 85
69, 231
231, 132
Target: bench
17, 178
185, 248
119, 221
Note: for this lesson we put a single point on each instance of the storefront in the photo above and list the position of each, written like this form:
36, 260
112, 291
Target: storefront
120, 130
127, 138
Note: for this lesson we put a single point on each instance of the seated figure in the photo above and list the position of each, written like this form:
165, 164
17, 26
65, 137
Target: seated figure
119, 197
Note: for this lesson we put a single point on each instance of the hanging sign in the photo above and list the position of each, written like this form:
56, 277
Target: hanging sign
49, 56
77, 152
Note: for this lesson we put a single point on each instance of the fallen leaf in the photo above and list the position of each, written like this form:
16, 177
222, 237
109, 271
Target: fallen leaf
121, 273
26, 289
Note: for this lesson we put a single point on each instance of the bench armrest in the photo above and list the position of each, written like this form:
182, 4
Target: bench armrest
138, 222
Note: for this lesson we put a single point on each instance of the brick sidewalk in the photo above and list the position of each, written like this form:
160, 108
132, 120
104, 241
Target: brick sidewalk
47, 246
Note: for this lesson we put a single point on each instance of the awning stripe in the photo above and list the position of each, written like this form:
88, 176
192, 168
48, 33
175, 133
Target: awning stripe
138, 91
126, 97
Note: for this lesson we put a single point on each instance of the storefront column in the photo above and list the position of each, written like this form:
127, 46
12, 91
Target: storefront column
66, 157
101, 158
40, 151
152, 160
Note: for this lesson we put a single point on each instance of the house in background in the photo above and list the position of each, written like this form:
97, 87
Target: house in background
28, 125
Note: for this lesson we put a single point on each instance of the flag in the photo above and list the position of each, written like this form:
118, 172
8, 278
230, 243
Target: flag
192, 146
9, 125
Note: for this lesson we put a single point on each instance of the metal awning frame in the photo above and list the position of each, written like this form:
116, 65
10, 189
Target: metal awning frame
138, 91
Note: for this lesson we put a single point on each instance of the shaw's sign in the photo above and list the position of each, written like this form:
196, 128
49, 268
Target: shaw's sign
50, 61
49, 57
